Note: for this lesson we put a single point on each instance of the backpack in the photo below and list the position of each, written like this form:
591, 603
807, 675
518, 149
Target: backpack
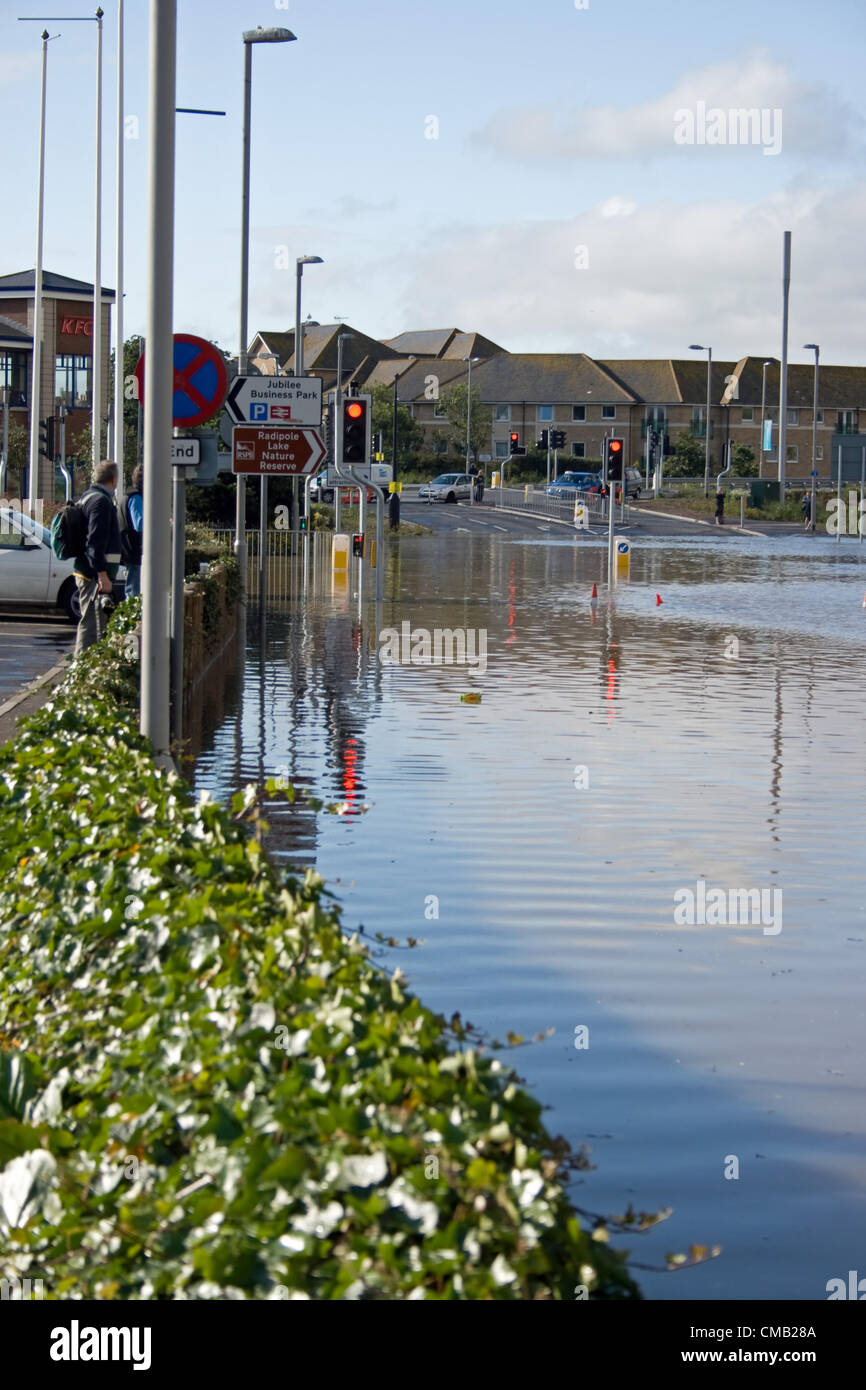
130, 539
69, 531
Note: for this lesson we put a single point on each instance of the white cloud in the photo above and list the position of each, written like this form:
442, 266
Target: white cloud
815, 123
656, 280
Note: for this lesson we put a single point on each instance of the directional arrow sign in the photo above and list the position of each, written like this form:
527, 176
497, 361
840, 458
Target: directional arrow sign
275, 400
274, 449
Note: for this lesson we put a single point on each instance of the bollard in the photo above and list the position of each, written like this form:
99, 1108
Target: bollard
494, 480
340, 554
527, 492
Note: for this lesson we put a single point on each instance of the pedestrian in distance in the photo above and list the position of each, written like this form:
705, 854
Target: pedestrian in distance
95, 568
806, 509
394, 511
131, 522
479, 484
720, 506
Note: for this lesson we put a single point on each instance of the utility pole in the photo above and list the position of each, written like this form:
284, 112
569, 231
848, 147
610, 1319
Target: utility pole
96, 373
36, 391
783, 384
119, 440
159, 240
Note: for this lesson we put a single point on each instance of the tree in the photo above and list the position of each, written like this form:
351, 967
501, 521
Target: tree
410, 437
454, 400
689, 457
743, 461
18, 459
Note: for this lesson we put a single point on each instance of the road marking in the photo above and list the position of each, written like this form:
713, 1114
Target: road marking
500, 528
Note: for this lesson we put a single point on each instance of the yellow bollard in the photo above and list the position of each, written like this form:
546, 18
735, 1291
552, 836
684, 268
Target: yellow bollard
340, 553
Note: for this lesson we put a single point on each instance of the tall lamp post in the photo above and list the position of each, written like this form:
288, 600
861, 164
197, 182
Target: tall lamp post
469, 360
36, 393
338, 425
696, 347
813, 347
250, 37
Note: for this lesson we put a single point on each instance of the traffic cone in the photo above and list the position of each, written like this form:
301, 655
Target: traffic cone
864, 599
658, 600
593, 598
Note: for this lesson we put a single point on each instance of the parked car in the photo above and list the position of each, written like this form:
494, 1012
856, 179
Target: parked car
448, 487
31, 576
633, 482
572, 482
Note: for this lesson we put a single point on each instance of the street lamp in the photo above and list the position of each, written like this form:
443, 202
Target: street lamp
250, 36
696, 347
299, 329
470, 360
813, 347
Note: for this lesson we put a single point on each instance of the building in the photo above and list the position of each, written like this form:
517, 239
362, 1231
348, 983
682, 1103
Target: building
67, 356
588, 398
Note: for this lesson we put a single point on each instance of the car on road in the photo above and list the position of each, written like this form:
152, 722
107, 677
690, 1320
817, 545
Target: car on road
572, 482
633, 484
448, 487
31, 576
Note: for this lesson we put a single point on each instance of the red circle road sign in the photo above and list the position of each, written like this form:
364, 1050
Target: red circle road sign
200, 380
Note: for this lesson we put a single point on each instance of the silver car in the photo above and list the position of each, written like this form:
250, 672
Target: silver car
448, 487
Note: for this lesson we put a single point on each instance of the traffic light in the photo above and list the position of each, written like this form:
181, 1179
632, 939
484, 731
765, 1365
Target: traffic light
542, 439
302, 523
514, 444
377, 442
613, 460
356, 430
46, 437
358, 545
557, 439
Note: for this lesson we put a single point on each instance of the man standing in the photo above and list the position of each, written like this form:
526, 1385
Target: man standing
96, 567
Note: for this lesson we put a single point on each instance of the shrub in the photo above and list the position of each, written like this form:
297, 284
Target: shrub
206, 1089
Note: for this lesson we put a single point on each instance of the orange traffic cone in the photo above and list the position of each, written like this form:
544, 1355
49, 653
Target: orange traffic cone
658, 600
593, 598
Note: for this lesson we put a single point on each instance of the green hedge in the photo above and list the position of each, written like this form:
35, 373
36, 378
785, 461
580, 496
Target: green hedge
207, 1090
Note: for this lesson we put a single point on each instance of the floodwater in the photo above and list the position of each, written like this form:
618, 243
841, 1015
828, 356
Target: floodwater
536, 841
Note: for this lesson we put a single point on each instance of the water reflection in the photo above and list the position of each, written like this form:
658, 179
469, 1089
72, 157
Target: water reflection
555, 894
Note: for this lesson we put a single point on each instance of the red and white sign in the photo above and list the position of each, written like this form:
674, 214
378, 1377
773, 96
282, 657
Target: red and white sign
275, 449
72, 325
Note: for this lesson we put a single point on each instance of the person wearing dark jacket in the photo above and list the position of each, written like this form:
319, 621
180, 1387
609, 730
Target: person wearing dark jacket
131, 528
97, 566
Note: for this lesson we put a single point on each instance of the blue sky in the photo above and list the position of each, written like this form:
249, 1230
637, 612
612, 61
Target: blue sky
553, 211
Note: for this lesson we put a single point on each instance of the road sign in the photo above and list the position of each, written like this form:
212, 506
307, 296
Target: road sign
378, 473
278, 400
275, 449
199, 380
186, 451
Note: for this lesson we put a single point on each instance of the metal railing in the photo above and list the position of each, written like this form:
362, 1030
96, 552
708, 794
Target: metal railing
539, 503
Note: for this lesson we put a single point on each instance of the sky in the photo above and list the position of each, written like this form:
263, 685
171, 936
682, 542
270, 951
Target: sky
534, 172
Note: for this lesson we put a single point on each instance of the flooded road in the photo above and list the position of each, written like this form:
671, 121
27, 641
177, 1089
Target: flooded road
556, 846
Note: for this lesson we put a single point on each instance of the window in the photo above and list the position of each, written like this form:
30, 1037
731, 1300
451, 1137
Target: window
439, 411
791, 453
501, 448
72, 380
747, 414
578, 451
846, 422
502, 412
655, 418
819, 452
608, 412
699, 421
544, 413
11, 540
440, 446
13, 375
578, 412
819, 418
793, 416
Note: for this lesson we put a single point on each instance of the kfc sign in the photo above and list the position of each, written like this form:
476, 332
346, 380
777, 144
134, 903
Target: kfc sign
71, 325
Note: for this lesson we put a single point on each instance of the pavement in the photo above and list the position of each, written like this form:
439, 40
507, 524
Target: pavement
33, 659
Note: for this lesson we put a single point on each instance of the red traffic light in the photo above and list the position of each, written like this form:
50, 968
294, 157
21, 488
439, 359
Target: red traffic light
514, 436
354, 410
615, 446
